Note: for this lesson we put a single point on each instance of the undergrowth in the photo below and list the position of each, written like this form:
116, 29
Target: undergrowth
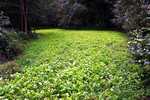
84, 64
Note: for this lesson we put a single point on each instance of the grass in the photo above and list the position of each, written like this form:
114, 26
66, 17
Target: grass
82, 63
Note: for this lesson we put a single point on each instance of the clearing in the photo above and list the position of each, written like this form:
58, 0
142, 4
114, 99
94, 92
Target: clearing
81, 63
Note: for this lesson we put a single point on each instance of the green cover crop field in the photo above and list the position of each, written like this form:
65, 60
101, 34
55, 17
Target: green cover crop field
87, 64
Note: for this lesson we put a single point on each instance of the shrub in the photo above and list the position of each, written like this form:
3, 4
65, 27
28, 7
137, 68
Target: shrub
131, 16
23, 35
26, 36
9, 46
140, 48
8, 68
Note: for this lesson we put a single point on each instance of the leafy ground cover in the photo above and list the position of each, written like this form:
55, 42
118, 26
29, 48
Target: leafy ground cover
75, 63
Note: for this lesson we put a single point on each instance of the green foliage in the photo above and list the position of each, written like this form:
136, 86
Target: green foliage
9, 46
140, 48
8, 68
84, 64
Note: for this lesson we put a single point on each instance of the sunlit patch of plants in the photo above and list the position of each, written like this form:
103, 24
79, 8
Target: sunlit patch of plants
85, 64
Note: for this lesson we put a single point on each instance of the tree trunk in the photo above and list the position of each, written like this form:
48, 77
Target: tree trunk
24, 17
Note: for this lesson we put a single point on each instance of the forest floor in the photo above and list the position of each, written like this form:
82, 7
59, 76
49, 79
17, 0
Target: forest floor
81, 63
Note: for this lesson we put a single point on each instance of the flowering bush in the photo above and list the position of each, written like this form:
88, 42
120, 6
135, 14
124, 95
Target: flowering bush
140, 47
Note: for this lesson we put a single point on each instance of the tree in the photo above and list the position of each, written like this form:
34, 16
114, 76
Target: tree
83, 12
129, 14
12, 9
24, 16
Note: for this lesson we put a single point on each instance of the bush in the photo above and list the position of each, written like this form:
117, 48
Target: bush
140, 48
26, 36
9, 46
131, 16
8, 68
